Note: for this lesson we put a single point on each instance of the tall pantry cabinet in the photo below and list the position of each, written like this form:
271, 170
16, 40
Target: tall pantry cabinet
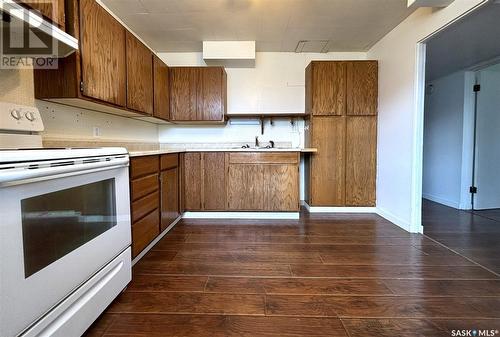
341, 98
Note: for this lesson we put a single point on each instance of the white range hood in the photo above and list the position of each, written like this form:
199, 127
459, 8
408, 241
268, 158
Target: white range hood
17, 14
231, 54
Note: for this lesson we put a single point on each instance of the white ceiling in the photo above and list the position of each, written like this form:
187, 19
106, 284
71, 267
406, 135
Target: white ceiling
468, 42
276, 25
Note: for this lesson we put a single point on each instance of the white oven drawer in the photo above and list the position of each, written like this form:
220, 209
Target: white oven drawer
77, 312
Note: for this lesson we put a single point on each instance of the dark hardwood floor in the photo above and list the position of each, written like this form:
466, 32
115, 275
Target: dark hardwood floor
475, 235
323, 275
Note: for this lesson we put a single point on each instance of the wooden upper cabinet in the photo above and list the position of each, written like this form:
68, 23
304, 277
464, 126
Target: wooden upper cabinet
361, 151
362, 84
102, 48
139, 76
50, 9
183, 87
161, 102
326, 88
197, 94
211, 94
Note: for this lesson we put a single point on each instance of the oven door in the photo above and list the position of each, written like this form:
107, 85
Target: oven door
58, 228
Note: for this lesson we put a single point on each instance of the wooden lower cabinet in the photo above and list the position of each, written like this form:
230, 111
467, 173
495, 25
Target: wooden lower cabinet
245, 187
154, 197
169, 187
192, 181
343, 171
327, 172
204, 181
263, 181
214, 181
361, 150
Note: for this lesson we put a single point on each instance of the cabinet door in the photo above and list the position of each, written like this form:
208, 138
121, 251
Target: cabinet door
161, 89
327, 174
211, 102
214, 181
183, 91
361, 161
245, 187
362, 88
50, 9
144, 231
328, 88
169, 197
102, 48
139, 76
192, 181
281, 187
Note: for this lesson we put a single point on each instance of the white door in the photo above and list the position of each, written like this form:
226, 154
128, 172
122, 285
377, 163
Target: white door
487, 161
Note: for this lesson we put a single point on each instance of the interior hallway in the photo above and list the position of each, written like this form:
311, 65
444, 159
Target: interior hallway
322, 275
475, 235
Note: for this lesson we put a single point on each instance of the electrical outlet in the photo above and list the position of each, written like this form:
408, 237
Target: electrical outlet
97, 131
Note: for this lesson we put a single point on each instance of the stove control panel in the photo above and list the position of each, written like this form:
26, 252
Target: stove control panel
14, 117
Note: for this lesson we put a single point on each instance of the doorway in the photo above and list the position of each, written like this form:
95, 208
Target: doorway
461, 142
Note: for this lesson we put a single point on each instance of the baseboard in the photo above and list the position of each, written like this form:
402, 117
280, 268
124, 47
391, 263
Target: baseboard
317, 209
155, 241
442, 201
242, 215
394, 219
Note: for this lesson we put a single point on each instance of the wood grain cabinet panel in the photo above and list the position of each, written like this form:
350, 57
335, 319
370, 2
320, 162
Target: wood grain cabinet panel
144, 206
192, 181
327, 173
139, 76
361, 149
211, 93
161, 102
245, 187
169, 196
281, 187
102, 48
144, 231
141, 166
362, 88
183, 93
143, 186
50, 9
214, 181
326, 94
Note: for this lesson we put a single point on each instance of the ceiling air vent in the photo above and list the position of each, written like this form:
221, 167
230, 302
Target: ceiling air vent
312, 46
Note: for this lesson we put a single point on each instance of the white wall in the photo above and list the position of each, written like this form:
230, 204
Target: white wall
443, 139
400, 118
66, 122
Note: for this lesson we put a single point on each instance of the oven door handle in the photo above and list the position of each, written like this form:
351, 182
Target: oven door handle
24, 176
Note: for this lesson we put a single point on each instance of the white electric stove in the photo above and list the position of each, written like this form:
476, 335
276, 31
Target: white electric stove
65, 230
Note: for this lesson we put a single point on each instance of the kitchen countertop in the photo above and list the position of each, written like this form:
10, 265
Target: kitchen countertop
167, 151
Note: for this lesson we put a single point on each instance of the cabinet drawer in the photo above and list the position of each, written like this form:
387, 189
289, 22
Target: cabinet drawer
141, 166
144, 231
144, 205
144, 186
263, 158
169, 161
